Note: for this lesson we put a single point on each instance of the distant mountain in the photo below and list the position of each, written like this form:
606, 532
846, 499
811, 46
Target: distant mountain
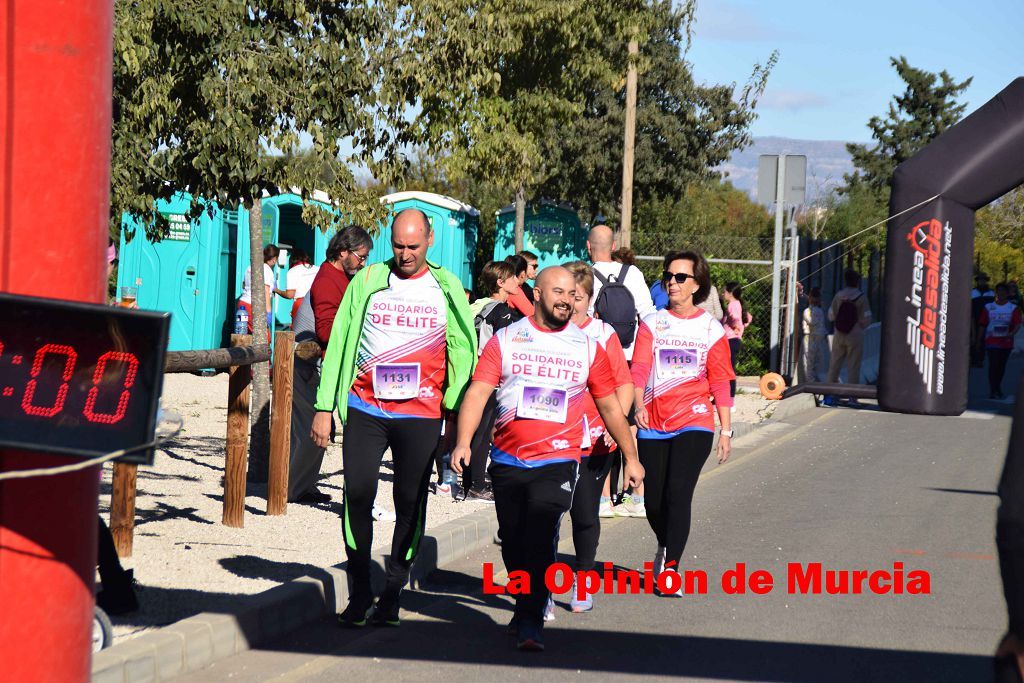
827, 161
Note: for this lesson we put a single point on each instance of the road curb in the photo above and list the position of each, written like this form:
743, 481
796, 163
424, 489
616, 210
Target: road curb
197, 642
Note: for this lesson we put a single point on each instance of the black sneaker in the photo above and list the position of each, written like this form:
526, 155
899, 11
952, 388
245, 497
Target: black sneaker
314, 497
385, 613
118, 594
355, 614
529, 638
480, 496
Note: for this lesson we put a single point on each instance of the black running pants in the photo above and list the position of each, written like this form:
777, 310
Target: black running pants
586, 526
473, 476
672, 467
412, 441
529, 503
997, 359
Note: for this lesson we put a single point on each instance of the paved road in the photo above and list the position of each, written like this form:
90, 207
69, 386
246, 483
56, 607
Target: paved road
852, 489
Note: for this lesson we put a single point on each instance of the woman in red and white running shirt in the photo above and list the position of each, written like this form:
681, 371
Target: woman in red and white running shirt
680, 359
599, 448
998, 322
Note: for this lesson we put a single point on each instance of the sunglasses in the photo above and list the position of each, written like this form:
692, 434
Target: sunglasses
678, 277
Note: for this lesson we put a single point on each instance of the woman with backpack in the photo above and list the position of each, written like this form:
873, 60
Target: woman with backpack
734, 321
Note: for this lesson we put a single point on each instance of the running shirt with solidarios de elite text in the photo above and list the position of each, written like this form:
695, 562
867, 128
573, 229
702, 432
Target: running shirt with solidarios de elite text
605, 335
681, 362
400, 365
542, 377
999, 320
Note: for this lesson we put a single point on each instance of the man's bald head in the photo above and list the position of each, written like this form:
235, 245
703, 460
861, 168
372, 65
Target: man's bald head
600, 243
555, 294
412, 219
411, 236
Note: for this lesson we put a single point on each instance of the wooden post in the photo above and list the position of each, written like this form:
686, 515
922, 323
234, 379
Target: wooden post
237, 452
628, 145
281, 423
122, 507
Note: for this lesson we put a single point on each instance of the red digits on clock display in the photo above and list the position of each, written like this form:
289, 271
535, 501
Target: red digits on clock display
122, 403
62, 393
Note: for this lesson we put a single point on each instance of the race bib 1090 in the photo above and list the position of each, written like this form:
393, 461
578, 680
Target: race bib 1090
543, 403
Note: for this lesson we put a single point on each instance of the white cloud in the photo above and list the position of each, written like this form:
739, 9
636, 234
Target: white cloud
791, 100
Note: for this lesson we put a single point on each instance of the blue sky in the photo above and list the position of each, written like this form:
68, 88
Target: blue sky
834, 73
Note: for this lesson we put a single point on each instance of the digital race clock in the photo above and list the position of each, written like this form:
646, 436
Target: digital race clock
79, 379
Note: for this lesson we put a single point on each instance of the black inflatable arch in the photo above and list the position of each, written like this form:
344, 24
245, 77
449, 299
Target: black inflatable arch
926, 325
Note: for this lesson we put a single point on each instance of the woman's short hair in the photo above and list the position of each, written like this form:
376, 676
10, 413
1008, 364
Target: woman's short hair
271, 251
518, 263
492, 273
701, 272
348, 239
583, 274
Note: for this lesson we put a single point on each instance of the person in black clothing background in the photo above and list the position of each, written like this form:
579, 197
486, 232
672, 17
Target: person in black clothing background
498, 281
1010, 539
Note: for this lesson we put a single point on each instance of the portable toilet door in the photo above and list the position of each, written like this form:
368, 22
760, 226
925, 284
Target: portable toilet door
455, 226
552, 231
184, 273
283, 226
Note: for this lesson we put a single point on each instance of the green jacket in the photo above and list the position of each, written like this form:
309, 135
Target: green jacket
339, 366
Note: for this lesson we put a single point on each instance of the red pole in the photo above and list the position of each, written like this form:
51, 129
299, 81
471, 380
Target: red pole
55, 76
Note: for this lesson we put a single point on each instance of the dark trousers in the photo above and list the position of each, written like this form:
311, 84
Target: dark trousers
481, 447
735, 344
672, 467
529, 503
107, 561
997, 359
412, 441
586, 525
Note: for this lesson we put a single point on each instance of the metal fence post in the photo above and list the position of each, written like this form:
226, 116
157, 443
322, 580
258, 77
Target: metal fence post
780, 194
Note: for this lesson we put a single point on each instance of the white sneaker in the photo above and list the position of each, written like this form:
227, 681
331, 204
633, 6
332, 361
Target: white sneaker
549, 609
382, 515
578, 606
605, 509
678, 593
630, 508
659, 561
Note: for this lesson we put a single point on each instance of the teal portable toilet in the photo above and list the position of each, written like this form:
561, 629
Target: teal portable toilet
283, 226
455, 226
551, 230
188, 273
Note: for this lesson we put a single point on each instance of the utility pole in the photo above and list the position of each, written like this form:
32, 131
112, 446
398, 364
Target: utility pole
626, 225
775, 358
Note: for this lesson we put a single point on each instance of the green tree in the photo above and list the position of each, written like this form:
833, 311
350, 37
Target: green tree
213, 96
530, 64
926, 107
684, 130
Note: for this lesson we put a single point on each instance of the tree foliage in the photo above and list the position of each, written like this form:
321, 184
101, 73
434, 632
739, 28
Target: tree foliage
204, 89
926, 107
684, 130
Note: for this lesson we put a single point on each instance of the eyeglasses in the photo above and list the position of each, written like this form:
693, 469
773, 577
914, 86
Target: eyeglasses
678, 277
362, 259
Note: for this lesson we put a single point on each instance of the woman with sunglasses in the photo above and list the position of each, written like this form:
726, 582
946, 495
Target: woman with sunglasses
680, 359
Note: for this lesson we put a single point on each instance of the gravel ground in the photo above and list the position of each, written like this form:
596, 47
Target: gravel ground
188, 562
